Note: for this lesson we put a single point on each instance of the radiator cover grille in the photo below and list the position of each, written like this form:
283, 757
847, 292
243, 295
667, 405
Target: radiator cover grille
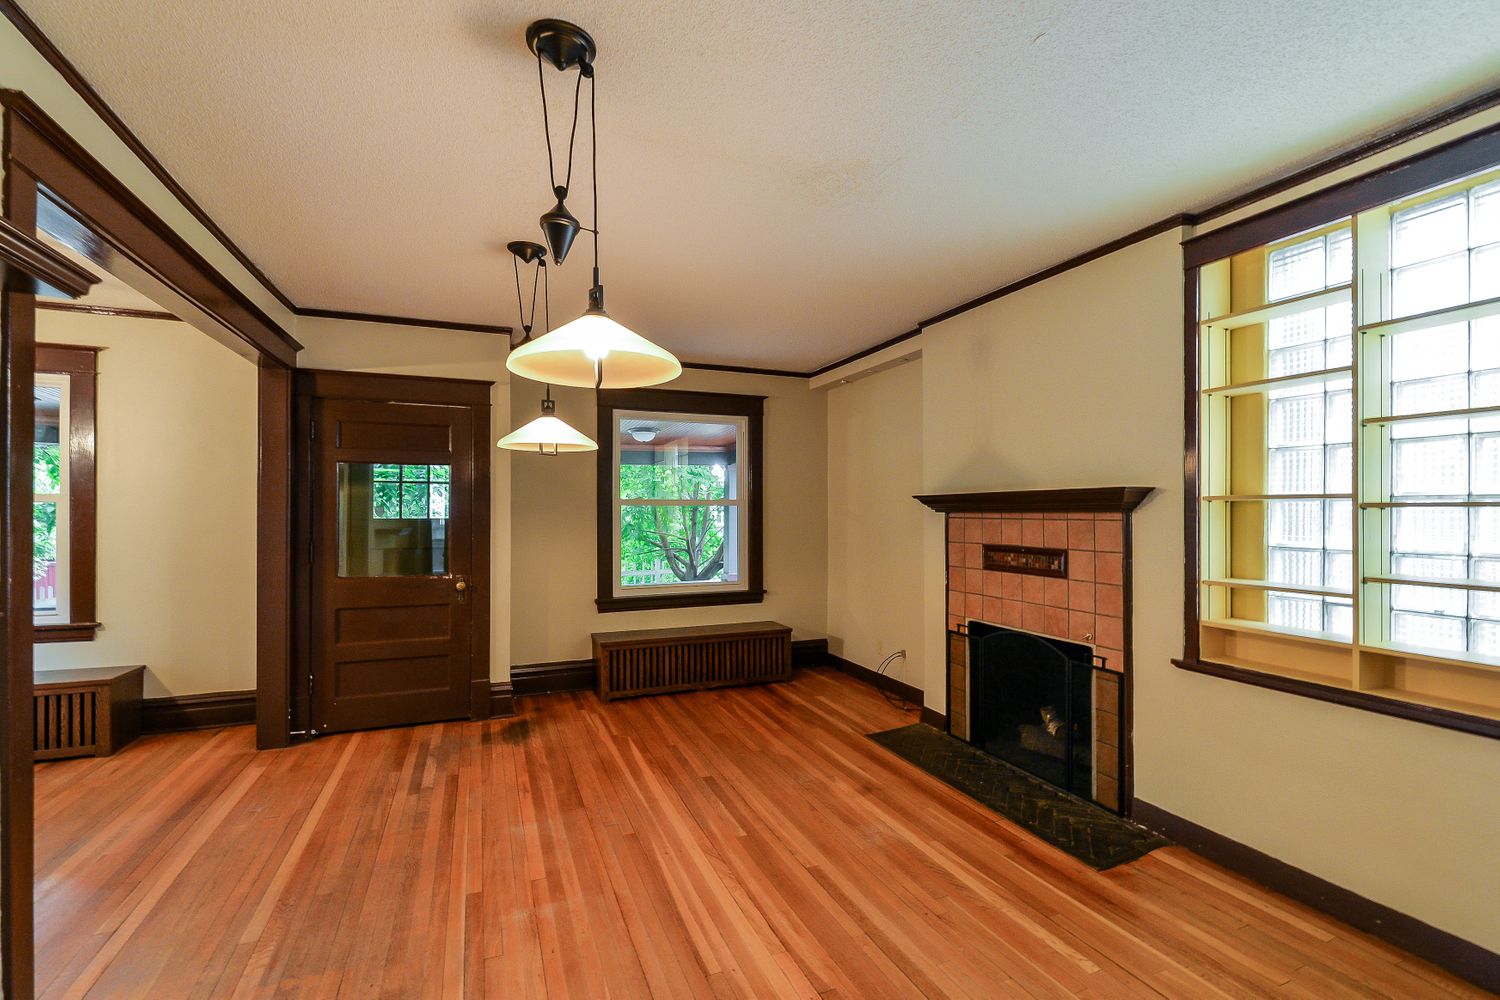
690, 662
66, 723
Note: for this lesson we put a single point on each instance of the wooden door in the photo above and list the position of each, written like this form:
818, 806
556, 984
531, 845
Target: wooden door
393, 581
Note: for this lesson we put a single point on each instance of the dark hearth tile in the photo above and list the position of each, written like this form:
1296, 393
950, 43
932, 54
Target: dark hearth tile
1089, 833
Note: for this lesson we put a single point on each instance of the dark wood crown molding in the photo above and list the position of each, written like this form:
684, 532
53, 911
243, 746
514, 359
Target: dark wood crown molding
389, 388
84, 203
744, 370
22, 254
70, 74
1390, 139
80, 307
431, 324
1100, 499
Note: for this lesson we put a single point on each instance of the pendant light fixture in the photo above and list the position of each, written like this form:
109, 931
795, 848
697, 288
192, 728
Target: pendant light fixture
547, 434
593, 350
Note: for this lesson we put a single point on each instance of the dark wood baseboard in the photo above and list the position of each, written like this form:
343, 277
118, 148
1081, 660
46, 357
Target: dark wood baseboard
882, 681
198, 711
553, 677
502, 700
1462, 958
934, 718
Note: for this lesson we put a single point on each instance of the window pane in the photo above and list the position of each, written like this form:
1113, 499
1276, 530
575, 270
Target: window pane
415, 473
1295, 523
1295, 611
1440, 350
663, 544
1436, 600
664, 459
1429, 631
414, 500
1430, 466
387, 472
387, 499
1484, 217
1435, 284
388, 528
46, 473
1296, 470
1298, 269
44, 556
1429, 567
1435, 229
1484, 274
47, 457
1430, 530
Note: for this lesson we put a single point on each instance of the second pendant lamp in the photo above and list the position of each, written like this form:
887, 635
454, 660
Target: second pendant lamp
592, 351
547, 434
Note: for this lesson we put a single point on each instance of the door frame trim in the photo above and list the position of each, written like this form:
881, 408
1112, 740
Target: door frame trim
49, 173
312, 384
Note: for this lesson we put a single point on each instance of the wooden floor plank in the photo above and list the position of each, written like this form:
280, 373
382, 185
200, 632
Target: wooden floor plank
746, 843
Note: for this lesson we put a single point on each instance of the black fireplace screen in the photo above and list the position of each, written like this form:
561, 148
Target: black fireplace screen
1042, 704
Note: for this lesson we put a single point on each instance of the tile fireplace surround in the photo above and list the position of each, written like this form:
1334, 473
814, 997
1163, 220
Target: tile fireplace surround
1075, 547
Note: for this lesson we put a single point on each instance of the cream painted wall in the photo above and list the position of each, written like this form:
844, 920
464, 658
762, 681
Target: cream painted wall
1077, 381
176, 465
554, 519
344, 345
875, 593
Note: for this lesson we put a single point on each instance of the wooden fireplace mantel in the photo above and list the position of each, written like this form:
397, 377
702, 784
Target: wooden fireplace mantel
1123, 499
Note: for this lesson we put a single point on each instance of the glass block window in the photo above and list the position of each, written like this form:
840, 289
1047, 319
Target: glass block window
1345, 404
1309, 439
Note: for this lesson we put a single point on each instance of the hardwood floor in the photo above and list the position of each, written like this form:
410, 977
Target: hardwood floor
736, 843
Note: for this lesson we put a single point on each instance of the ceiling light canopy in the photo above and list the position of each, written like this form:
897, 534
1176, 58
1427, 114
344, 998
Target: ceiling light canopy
593, 350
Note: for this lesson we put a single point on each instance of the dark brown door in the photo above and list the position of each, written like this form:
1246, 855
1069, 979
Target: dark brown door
392, 591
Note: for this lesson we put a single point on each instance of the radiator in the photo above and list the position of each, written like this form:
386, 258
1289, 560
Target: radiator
659, 661
86, 712
67, 724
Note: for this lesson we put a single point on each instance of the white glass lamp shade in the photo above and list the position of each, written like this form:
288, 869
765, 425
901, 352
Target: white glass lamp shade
547, 435
567, 356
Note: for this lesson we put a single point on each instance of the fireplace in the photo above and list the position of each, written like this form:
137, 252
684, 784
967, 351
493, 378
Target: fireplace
1034, 702
1038, 632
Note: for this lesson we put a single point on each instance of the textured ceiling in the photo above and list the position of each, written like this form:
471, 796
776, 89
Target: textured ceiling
782, 183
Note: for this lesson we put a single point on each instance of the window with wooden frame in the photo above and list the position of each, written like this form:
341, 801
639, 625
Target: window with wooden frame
1344, 443
64, 532
680, 509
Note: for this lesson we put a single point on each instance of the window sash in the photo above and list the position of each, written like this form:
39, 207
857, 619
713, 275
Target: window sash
734, 499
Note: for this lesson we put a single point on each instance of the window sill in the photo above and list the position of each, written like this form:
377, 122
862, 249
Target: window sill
655, 602
1396, 706
65, 632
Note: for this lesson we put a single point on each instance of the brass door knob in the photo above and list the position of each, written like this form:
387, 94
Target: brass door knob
461, 585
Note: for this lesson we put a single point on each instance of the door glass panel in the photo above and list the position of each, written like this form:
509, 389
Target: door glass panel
393, 519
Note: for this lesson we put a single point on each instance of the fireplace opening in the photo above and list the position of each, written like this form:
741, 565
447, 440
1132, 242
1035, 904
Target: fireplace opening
1034, 701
